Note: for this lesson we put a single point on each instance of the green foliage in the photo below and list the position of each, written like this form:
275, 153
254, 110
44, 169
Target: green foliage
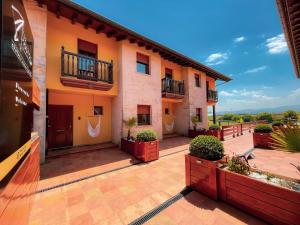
287, 138
146, 136
263, 128
248, 118
290, 115
130, 123
236, 118
207, 147
265, 116
228, 116
238, 165
195, 120
214, 127
277, 123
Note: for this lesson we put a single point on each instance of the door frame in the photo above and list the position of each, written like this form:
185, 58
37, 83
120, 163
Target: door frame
70, 129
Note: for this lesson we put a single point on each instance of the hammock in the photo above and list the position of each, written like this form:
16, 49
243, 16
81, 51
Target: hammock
169, 127
94, 132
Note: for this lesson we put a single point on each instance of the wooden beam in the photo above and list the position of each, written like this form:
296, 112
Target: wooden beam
141, 44
100, 28
121, 37
132, 40
74, 18
148, 47
155, 50
58, 12
40, 3
111, 33
88, 23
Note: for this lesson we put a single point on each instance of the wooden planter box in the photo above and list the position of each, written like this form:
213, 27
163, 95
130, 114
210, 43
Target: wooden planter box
215, 133
145, 151
201, 175
271, 203
128, 146
262, 140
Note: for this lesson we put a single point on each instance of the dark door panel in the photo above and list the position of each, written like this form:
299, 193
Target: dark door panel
60, 126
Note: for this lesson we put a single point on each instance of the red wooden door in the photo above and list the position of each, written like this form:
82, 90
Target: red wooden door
60, 126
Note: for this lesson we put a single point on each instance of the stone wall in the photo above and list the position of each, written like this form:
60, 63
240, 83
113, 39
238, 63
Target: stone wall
37, 17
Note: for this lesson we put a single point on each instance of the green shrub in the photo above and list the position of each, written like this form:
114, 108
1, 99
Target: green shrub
290, 115
207, 147
228, 116
263, 128
265, 116
236, 118
287, 138
214, 127
238, 165
146, 136
247, 118
277, 123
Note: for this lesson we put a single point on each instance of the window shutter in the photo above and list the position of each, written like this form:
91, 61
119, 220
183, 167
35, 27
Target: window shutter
143, 109
87, 46
142, 58
168, 71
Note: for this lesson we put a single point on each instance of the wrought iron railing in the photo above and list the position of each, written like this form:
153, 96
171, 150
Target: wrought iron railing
212, 95
172, 86
85, 67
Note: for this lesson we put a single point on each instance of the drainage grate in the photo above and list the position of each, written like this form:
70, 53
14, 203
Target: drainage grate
98, 174
146, 217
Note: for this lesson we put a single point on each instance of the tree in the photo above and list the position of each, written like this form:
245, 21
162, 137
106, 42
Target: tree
247, 118
265, 116
228, 116
290, 115
130, 123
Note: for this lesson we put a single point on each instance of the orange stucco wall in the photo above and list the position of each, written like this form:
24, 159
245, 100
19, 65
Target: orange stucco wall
82, 108
61, 32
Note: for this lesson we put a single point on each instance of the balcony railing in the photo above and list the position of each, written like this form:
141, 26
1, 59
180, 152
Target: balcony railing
172, 88
212, 95
89, 70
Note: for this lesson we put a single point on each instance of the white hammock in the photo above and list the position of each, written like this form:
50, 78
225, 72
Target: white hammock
169, 127
94, 132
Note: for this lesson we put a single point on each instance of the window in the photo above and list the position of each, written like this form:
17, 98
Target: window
197, 80
169, 73
142, 63
199, 114
86, 66
167, 112
87, 48
98, 110
144, 116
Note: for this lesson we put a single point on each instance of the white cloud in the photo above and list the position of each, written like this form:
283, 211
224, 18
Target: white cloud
216, 58
277, 44
295, 93
226, 93
239, 39
255, 70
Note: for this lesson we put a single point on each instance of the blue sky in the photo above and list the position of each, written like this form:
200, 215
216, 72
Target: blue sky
241, 39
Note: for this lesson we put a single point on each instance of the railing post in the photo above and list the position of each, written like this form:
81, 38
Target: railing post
62, 60
111, 79
222, 134
241, 129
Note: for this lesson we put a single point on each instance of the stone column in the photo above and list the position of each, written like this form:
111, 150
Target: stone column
37, 17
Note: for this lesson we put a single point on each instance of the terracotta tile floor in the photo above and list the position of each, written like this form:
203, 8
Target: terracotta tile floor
122, 196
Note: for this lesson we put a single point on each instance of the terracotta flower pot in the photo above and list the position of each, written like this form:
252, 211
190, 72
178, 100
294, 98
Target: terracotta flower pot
128, 146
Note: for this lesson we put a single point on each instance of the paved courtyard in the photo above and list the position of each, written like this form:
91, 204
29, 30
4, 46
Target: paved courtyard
121, 196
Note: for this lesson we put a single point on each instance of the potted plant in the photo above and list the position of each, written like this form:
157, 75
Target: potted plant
193, 132
206, 153
287, 138
127, 144
277, 124
262, 136
214, 130
273, 198
147, 146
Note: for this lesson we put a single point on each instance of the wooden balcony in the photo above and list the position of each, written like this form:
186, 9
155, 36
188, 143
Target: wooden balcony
172, 88
85, 72
212, 96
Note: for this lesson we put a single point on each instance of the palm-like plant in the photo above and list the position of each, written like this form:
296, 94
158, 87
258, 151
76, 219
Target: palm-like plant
130, 123
195, 121
287, 138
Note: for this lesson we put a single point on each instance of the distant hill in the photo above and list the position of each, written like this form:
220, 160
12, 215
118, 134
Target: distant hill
279, 109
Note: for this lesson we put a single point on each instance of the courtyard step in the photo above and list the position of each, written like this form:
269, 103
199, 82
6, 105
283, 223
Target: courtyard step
172, 135
79, 149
